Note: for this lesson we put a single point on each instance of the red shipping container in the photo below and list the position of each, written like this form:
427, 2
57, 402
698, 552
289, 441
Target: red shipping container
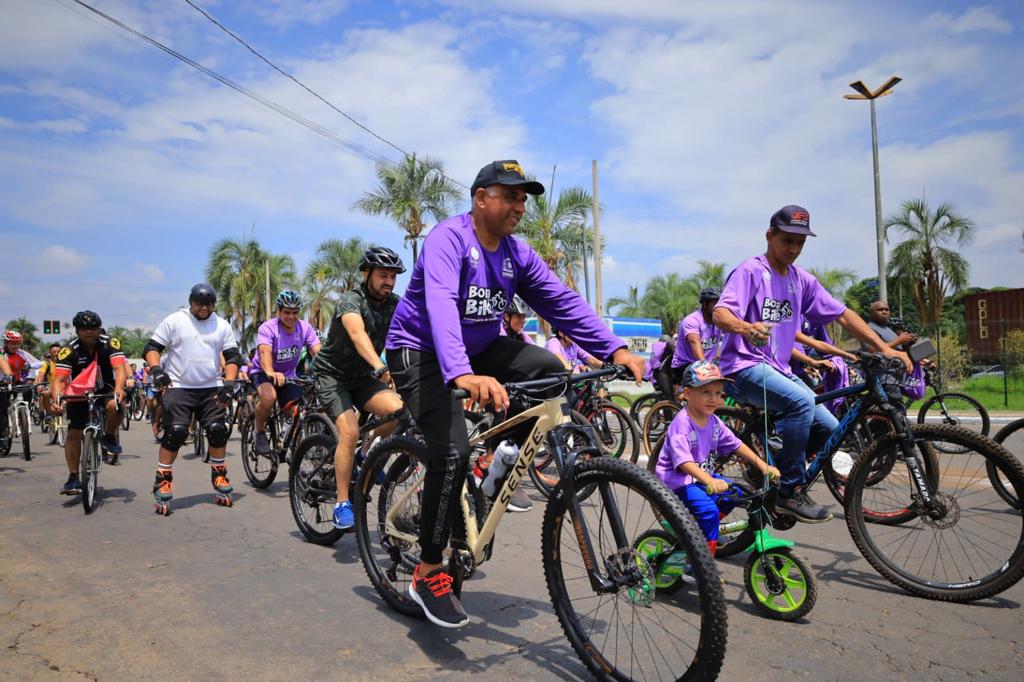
990, 315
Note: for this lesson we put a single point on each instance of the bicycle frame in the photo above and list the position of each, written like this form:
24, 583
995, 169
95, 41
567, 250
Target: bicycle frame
550, 415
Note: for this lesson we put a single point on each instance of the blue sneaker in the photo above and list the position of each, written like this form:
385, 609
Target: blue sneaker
344, 517
110, 444
73, 486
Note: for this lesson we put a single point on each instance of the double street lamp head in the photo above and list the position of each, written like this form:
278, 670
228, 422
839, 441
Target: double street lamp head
864, 93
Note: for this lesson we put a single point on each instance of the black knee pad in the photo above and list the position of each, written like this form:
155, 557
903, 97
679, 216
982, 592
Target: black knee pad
174, 437
217, 434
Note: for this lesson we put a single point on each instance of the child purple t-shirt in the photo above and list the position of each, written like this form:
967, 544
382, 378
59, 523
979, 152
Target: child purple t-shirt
756, 293
458, 291
285, 348
687, 442
709, 335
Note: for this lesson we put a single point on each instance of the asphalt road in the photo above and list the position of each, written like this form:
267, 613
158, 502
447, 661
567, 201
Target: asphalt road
212, 593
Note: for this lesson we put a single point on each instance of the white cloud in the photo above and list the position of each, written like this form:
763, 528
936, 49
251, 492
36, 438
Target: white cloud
287, 13
57, 259
148, 271
973, 19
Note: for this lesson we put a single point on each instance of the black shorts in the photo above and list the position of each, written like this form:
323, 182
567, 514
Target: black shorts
339, 396
285, 394
180, 404
77, 414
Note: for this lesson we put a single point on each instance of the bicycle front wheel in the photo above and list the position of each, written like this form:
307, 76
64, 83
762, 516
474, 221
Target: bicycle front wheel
969, 544
23, 426
1010, 437
954, 409
312, 490
632, 630
261, 470
616, 432
656, 423
638, 410
88, 470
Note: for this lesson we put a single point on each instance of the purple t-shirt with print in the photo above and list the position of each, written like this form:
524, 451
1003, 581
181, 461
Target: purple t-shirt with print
687, 442
572, 353
756, 293
285, 347
710, 336
458, 290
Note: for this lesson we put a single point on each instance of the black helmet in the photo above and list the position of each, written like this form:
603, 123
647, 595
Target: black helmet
289, 299
381, 257
87, 319
202, 293
517, 306
709, 294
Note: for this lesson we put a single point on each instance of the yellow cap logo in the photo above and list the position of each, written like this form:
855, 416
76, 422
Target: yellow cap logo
513, 167
115, 344
64, 353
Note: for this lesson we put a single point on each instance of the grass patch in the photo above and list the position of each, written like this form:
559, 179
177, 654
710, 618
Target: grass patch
986, 390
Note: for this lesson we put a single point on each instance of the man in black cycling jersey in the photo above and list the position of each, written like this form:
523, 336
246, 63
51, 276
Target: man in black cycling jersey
446, 335
350, 376
91, 362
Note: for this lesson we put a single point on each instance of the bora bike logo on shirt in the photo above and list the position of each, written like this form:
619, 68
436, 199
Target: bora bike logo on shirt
776, 311
481, 303
287, 353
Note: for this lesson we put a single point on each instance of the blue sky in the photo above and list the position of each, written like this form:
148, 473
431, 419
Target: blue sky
120, 166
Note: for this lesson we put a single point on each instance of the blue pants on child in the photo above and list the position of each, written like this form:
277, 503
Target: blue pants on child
706, 509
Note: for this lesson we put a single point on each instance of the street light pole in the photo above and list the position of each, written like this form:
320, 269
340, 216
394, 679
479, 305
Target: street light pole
864, 93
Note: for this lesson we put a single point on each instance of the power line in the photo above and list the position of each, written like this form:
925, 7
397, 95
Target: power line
270, 104
302, 85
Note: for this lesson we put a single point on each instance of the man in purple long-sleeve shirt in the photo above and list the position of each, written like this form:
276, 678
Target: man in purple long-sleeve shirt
445, 334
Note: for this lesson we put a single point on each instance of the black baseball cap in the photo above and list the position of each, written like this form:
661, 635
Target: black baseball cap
794, 219
507, 172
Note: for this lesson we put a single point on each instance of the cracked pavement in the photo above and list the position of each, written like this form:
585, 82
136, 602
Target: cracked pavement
213, 592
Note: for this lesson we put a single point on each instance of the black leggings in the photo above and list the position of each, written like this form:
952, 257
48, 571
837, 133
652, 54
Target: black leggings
439, 416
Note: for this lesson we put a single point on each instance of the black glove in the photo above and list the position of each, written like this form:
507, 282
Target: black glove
159, 377
226, 392
7, 379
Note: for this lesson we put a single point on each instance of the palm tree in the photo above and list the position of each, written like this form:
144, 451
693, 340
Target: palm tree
630, 306
409, 192
709, 274
333, 271
236, 272
28, 331
835, 280
669, 298
559, 231
925, 259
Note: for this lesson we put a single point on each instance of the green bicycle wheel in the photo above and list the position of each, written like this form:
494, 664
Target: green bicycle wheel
780, 584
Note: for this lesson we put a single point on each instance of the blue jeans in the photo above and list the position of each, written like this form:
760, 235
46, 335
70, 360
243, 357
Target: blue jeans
804, 426
707, 509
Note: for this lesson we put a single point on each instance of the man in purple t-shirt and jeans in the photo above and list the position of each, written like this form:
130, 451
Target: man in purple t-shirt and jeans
445, 335
762, 306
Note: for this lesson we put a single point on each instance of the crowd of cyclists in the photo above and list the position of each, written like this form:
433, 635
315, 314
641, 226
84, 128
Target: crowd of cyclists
761, 339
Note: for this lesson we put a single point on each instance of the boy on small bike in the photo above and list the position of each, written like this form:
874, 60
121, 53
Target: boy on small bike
695, 439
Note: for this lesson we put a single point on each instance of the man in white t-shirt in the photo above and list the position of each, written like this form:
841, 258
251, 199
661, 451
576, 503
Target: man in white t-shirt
193, 341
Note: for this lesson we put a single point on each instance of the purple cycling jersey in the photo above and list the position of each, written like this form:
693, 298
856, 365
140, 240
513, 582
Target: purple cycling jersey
687, 442
710, 336
285, 347
756, 293
458, 291
572, 353
657, 357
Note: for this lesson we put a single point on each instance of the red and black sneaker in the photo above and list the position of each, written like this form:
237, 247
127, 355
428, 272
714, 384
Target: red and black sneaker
433, 592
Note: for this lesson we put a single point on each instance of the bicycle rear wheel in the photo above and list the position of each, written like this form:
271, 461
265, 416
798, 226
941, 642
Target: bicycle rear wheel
633, 630
88, 470
544, 471
24, 426
387, 503
656, 423
969, 546
126, 417
954, 409
638, 410
1010, 437
616, 432
312, 490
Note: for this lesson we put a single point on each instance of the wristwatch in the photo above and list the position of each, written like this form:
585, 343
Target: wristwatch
379, 372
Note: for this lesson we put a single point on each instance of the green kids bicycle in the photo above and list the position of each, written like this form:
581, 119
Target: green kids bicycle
779, 583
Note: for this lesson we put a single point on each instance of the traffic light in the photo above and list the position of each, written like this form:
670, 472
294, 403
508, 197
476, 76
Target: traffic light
51, 326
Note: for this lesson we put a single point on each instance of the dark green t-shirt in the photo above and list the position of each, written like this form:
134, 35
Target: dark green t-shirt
338, 356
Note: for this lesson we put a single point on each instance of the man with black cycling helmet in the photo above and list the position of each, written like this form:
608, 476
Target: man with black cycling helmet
446, 335
279, 345
350, 375
698, 335
194, 340
92, 362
